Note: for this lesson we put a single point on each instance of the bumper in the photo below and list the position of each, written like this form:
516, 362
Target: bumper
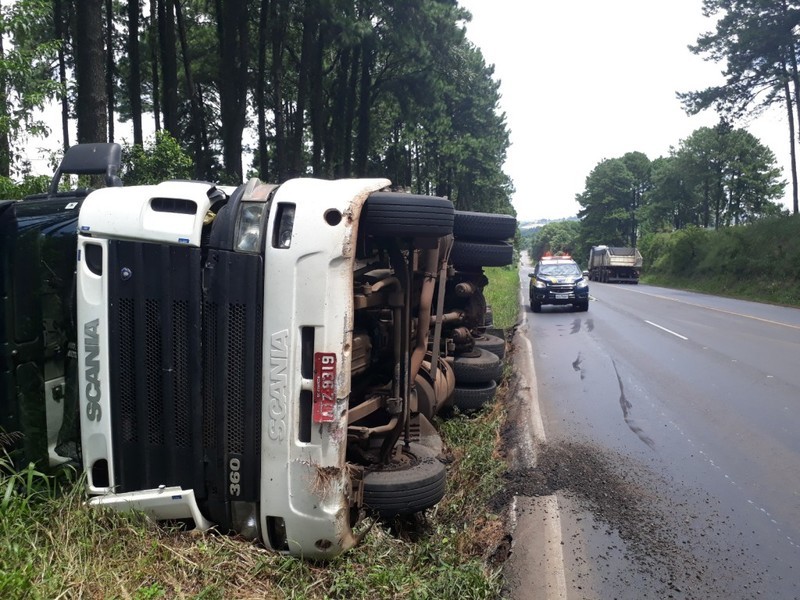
549, 297
161, 503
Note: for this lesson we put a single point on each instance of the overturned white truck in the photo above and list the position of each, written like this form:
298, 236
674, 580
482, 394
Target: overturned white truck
268, 359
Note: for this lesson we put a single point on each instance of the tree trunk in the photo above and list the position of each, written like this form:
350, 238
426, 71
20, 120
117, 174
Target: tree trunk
196, 125
135, 75
317, 100
793, 72
303, 86
89, 70
61, 34
350, 112
232, 28
792, 143
154, 63
261, 90
364, 102
110, 67
278, 16
169, 65
335, 142
5, 145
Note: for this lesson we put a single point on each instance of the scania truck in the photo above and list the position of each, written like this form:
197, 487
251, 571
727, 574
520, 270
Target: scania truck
263, 359
250, 357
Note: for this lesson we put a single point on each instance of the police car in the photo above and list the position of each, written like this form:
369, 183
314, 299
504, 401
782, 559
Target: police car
558, 280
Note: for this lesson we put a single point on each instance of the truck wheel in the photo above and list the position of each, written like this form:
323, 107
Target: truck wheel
412, 482
473, 396
481, 254
483, 226
582, 306
494, 344
477, 366
536, 307
393, 214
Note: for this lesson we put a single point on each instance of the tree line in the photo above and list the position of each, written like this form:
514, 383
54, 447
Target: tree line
716, 178
326, 88
757, 41
719, 176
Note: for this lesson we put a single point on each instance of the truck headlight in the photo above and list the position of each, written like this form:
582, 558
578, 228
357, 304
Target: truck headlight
581, 283
539, 284
284, 224
248, 229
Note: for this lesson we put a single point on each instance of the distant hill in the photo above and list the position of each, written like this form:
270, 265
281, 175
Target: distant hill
528, 228
542, 222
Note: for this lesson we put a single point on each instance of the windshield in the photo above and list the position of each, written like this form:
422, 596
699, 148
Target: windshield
568, 270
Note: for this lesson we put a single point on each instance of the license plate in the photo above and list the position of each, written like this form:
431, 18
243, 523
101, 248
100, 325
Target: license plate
324, 386
562, 296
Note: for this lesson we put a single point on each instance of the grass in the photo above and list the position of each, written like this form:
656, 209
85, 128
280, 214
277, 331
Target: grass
759, 261
56, 547
53, 546
771, 291
502, 295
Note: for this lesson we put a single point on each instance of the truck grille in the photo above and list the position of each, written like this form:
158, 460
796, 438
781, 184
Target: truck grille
185, 362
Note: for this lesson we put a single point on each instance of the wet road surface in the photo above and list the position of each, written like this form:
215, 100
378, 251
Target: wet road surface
671, 450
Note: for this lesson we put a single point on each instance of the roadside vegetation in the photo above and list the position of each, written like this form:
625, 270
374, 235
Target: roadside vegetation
754, 262
53, 546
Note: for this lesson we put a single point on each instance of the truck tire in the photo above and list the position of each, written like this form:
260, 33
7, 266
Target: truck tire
393, 214
477, 366
412, 482
474, 396
483, 226
467, 253
536, 306
494, 344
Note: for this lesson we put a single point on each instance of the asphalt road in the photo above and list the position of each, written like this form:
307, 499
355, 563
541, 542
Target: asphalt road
666, 447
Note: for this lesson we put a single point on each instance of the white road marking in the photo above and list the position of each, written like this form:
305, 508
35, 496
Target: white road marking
720, 310
683, 337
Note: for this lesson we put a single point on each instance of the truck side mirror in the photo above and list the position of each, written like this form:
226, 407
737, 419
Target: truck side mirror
531, 275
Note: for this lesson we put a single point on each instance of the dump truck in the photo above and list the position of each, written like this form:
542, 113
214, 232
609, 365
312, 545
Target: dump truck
614, 264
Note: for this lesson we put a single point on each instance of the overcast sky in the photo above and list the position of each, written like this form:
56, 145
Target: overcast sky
586, 80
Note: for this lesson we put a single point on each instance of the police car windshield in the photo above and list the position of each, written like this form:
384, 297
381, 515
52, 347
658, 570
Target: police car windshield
564, 270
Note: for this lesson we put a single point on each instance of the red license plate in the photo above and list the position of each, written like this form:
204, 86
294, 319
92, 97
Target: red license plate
324, 386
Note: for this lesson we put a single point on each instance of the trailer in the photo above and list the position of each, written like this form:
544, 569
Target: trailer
614, 264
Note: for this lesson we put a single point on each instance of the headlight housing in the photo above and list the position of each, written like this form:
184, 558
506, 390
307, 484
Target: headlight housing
538, 283
581, 283
249, 227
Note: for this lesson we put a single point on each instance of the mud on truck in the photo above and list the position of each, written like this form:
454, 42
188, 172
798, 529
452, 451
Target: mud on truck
268, 359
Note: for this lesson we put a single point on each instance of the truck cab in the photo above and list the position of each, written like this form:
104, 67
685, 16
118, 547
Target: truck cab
38, 345
262, 358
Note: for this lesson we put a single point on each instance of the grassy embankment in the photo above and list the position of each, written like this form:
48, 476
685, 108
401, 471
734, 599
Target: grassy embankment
52, 546
760, 261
